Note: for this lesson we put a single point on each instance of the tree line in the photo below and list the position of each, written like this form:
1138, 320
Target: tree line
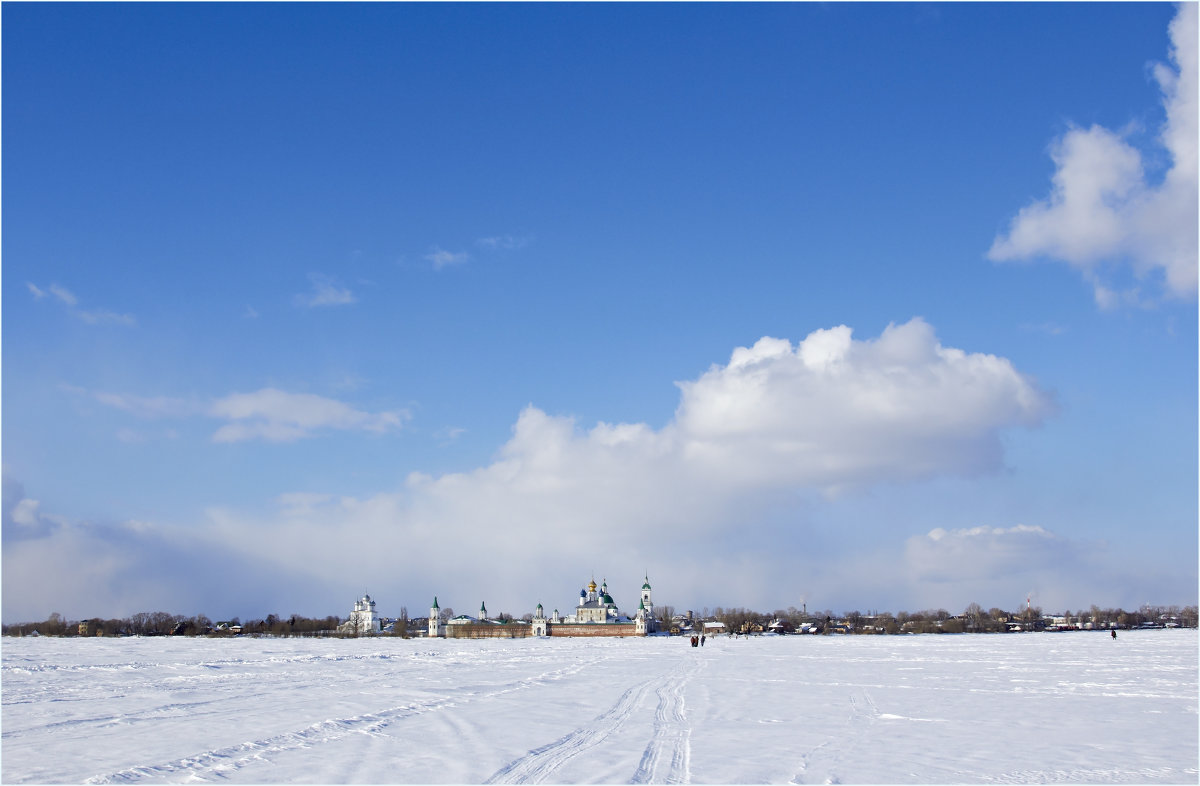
160, 623
973, 619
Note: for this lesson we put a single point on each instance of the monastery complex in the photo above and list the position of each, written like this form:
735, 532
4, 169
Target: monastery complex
596, 614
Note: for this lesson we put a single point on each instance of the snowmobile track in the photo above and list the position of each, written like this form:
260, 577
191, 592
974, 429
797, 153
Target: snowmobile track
672, 732
219, 762
540, 763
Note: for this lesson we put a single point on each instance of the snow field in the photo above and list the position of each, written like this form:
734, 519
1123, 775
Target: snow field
1021, 708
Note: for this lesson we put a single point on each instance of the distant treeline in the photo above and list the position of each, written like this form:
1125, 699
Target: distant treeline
974, 619
160, 623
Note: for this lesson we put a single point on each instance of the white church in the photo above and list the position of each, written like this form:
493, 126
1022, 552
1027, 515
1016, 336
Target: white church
364, 620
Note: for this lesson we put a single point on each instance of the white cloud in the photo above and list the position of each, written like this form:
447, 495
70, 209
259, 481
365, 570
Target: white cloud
25, 513
133, 566
711, 504
102, 317
68, 299
324, 293
1103, 209
63, 294
998, 565
278, 416
146, 406
268, 414
301, 502
836, 412
449, 433
982, 552
23, 517
443, 259
830, 413
502, 242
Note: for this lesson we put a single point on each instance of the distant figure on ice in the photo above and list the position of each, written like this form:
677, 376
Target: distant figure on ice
1114, 633
701, 639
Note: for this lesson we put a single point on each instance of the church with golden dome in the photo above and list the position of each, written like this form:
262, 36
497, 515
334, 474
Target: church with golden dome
596, 606
596, 614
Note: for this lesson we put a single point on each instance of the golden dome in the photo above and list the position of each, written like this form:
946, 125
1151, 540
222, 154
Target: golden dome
592, 585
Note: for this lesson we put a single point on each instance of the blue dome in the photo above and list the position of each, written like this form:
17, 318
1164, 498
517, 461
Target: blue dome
583, 593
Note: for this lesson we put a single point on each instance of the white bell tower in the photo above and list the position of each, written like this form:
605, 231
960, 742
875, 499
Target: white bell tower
435, 614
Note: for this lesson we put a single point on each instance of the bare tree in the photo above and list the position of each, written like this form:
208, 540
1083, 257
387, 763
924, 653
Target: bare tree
400, 626
976, 617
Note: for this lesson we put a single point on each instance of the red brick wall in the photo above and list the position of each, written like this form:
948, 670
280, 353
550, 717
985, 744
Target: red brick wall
513, 630
595, 629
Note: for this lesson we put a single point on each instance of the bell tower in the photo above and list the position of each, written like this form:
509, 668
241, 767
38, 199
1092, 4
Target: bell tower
435, 614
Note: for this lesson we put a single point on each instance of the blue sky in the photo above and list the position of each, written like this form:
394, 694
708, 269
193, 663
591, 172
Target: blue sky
878, 306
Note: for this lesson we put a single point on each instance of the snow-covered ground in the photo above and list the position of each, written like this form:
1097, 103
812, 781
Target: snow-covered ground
1020, 708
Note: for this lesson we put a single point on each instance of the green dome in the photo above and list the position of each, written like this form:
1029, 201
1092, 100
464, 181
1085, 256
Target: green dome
607, 599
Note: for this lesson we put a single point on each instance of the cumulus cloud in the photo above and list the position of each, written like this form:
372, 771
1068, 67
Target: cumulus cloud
829, 414
834, 411
325, 292
1103, 208
279, 416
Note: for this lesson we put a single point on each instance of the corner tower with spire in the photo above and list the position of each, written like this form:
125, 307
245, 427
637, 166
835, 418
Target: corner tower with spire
436, 628
645, 613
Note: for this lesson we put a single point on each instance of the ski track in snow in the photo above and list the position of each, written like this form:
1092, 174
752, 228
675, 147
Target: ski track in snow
988, 710
667, 754
537, 765
672, 733
221, 762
